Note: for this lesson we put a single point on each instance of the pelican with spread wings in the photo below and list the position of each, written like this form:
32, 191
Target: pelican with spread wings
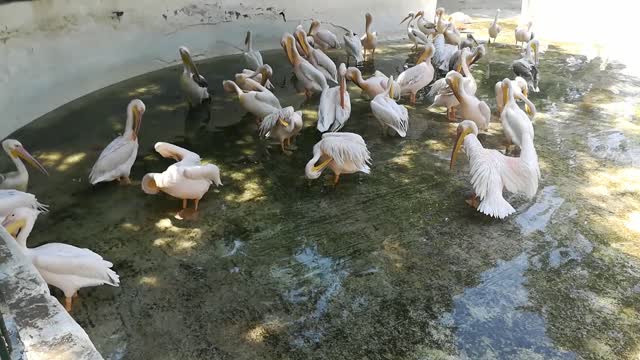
343, 153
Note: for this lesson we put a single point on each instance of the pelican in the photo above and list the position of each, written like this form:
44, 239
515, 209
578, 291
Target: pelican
373, 86
443, 53
352, 46
310, 39
424, 25
420, 37
514, 120
524, 35
460, 20
477, 54
343, 153
253, 58
258, 103
527, 66
495, 28
468, 42
187, 179
193, 85
283, 125
335, 105
317, 58
411, 29
470, 107
441, 24
323, 38
116, 159
66, 267
520, 91
261, 76
369, 39
389, 114
415, 78
491, 171
13, 199
18, 180
452, 35
311, 78
442, 91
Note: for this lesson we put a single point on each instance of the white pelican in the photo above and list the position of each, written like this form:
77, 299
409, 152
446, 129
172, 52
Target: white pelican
373, 86
258, 103
417, 77
524, 35
514, 121
369, 39
443, 95
310, 39
441, 24
520, 91
527, 66
468, 42
477, 54
343, 153
423, 24
491, 171
66, 267
193, 85
495, 28
335, 105
470, 107
443, 53
13, 199
187, 179
323, 38
283, 126
352, 45
420, 37
116, 159
389, 114
253, 58
317, 58
18, 180
411, 29
312, 79
452, 35
262, 76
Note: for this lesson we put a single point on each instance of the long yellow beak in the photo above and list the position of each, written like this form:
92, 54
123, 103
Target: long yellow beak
303, 43
24, 154
457, 146
283, 122
322, 165
13, 227
505, 94
391, 93
137, 120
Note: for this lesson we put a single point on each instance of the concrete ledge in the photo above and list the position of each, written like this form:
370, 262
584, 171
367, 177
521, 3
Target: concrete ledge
37, 324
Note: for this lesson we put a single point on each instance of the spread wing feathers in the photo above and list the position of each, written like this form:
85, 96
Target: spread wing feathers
82, 263
391, 114
440, 87
13, 199
331, 116
203, 172
271, 120
200, 80
115, 154
177, 153
346, 147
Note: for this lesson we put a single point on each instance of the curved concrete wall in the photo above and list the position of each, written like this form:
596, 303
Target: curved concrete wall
54, 51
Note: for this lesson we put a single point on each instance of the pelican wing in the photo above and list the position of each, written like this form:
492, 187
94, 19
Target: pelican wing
118, 152
391, 114
202, 172
326, 63
328, 38
271, 120
311, 74
346, 147
200, 80
177, 153
353, 47
420, 36
440, 87
68, 260
253, 59
13, 199
268, 97
327, 109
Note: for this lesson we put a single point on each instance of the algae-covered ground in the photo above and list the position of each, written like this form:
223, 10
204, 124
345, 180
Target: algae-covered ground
391, 265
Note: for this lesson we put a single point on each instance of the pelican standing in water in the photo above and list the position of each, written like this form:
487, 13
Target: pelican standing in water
187, 179
495, 28
66, 267
524, 35
527, 66
373, 86
520, 91
369, 39
389, 114
411, 28
491, 171
444, 96
514, 120
13, 199
352, 46
471, 107
19, 179
193, 85
317, 58
258, 103
284, 126
417, 77
343, 153
312, 79
252, 57
325, 39
116, 159
335, 105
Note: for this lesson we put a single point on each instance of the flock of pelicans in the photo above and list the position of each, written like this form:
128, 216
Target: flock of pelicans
444, 54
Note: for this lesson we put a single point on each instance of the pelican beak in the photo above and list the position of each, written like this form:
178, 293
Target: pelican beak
527, 108
458, 145
137, 119
405, 19
454, 85
474, 40
459, 68
13, 227
505, 94
391, 93
303, 43
283, 122
24, 155
525, 92
322, 165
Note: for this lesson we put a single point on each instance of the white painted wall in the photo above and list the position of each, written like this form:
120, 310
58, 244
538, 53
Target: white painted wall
54, 51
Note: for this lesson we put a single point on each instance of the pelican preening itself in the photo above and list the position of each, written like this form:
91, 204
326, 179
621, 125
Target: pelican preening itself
193, 85
520, 91
258, 103
514, 121
527, 66
343, 153
495, 28
66, 267
283, 125
335, 105
317, 58
311, 79
369, 39
187, 179
471, 107
374, 85
524, 35
491, 171
325, 39
19, 179
393, 118
352, 46
415, 78
252, 57
116, 159
255, 80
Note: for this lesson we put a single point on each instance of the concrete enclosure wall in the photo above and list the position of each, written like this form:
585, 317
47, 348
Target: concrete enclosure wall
54, 51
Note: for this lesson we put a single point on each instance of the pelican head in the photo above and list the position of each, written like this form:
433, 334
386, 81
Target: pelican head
311, 170
465, 53
301, 36
465, 128
266, 71
453, 79
314, 26
478, 53
420, 13
185, 55
15, 150
288, 42
20, 220
426, 53
506, 88
409, 17
136, 109
470, 37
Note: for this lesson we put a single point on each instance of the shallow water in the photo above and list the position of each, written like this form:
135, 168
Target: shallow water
393, 265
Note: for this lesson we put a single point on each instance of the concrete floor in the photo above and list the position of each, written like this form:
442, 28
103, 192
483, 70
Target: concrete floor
393, 265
